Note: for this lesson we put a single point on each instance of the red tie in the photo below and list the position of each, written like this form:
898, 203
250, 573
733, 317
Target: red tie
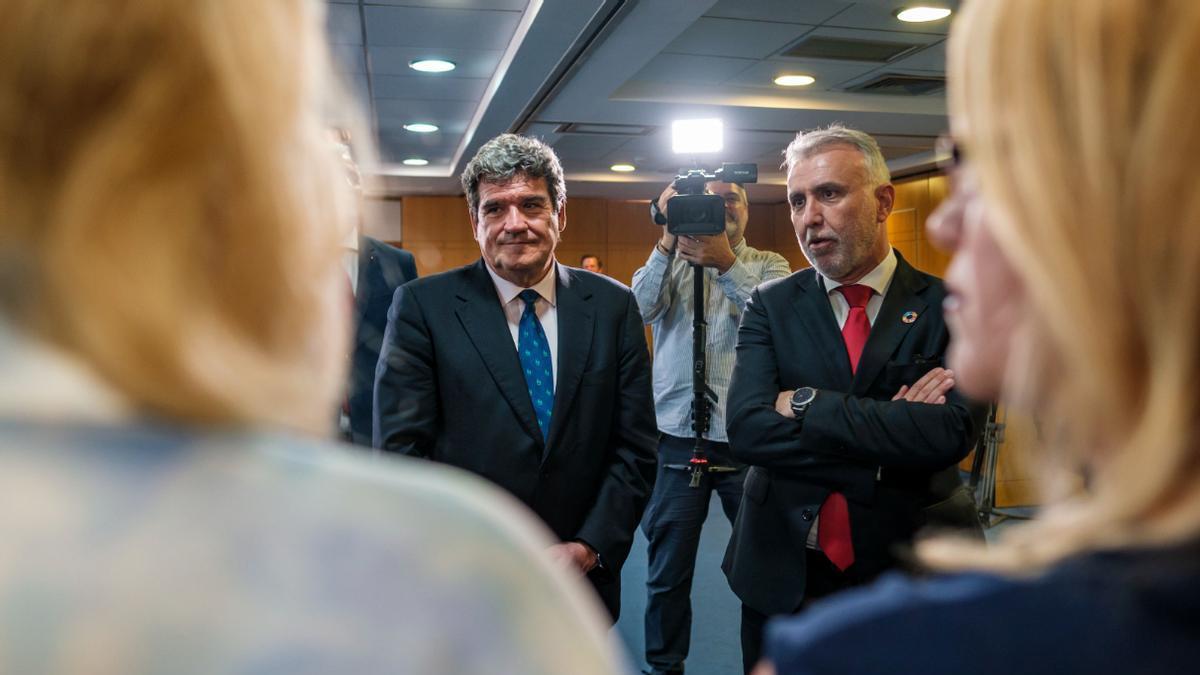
857, 326
834, 533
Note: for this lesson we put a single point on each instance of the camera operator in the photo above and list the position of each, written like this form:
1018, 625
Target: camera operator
676, 513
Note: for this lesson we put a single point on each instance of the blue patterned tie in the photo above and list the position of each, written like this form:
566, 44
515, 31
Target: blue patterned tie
534, 350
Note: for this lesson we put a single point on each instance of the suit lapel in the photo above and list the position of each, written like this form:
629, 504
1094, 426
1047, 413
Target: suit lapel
483, 319
816, 315
889, 327
576, 321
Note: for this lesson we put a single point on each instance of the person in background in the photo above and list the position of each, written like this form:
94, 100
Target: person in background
529, 373
591, 263
374, 270
1074, 294
172, 334
676, 513
840, 402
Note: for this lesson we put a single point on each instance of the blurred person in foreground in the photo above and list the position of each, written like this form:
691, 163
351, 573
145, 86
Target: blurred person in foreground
172, 333
1074, 294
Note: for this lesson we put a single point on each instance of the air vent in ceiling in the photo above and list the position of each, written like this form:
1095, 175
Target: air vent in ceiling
603, 129
843, 49
901, 85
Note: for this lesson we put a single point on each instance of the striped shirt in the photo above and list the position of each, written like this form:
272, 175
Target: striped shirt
663, 288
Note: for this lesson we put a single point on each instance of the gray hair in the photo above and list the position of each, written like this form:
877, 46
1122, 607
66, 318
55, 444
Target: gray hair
809, 143
508, 156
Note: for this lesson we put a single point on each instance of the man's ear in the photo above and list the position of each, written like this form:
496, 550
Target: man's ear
562, 218
886, 196
474, 224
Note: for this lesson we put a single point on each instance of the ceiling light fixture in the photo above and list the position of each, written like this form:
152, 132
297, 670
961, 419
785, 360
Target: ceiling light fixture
692, 136
623, 168
415, 161
795, 80
432, 65
421, 127
922, 14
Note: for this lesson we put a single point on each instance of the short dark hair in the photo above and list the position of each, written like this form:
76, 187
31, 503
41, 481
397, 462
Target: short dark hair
508, 156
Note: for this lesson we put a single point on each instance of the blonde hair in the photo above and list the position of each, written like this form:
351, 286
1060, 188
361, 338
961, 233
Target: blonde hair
168, 206
1079, 117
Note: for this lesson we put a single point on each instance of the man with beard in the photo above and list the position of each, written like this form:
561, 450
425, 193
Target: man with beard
676, 513
531, 374
840, 402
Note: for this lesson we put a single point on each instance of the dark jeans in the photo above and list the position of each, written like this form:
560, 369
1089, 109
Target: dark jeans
672, 524
821, 579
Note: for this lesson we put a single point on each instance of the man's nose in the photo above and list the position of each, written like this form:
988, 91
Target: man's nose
514, 220
812, 216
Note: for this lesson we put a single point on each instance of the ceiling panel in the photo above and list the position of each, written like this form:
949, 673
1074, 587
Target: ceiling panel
931, 58
790, 11
695, 69
440, 28
348, 58
344, 25
738, 38
591, 147
407, 110
472, 63
431, 87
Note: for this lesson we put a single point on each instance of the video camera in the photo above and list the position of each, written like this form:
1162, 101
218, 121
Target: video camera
693, 212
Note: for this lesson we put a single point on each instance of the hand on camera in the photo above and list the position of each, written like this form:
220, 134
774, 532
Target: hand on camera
706, 250
667, 241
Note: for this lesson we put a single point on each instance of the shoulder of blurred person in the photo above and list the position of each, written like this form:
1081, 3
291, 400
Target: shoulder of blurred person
1095, 612
245, 548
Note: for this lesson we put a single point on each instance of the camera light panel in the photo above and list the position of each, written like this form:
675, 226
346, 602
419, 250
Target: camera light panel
695, 136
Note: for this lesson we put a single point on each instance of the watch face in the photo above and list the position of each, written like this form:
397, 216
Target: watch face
803, 396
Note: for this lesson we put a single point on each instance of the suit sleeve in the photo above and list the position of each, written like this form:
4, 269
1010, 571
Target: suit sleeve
406, 397
837, 426
610, 525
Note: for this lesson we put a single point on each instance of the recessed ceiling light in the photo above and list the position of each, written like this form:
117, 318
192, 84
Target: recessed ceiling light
421, 128
623, 168
922, 14
795, 80
415, 161
432, 65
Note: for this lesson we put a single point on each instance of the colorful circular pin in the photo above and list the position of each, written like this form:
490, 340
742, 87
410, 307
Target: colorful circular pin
909, 317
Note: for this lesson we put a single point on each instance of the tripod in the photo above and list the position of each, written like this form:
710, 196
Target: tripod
703, 398
983, 471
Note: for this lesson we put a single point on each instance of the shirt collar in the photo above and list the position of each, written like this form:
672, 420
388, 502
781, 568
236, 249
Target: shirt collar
878, 279
350, 242
507, 290
740, 246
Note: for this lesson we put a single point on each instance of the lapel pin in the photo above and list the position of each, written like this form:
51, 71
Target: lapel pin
909, 317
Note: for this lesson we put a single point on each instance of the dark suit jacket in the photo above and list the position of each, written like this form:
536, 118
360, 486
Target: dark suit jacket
381, 269
450, 388
894, 461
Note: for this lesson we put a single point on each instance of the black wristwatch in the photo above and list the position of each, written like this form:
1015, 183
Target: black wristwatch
801, 399
656, 213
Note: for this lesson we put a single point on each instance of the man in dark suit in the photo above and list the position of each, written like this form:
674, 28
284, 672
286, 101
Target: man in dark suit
531, 374
839, 400
377, 270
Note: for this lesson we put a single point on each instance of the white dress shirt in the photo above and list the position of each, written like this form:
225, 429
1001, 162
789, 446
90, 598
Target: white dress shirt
545, 306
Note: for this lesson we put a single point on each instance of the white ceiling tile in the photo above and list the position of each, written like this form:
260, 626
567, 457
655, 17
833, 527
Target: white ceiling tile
829, 74
417, 87
440, 28
792, 11
686, 68
403, 110
735, 37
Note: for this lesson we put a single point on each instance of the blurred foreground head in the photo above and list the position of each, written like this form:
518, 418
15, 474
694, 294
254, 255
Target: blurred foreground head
1076, 224
168, 206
